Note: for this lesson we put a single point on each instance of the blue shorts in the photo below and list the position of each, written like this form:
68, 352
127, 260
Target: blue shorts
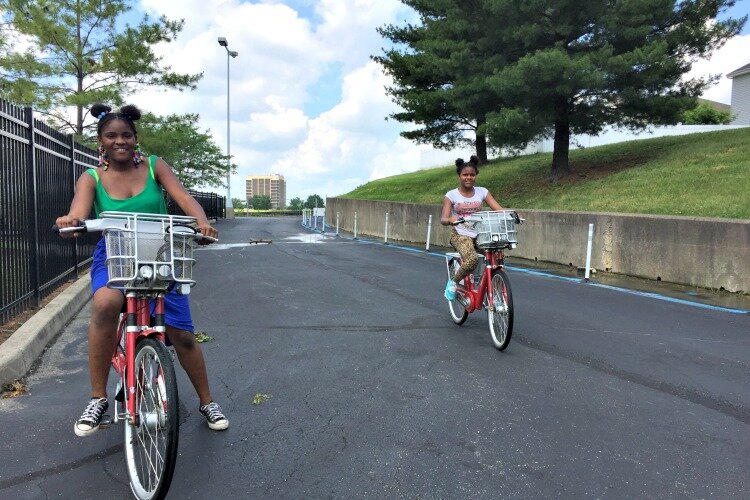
176, 306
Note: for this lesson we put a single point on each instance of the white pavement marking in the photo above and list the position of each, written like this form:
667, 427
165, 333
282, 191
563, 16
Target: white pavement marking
307, 238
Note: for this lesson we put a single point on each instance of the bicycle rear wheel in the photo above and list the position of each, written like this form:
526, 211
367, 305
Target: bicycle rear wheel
500, 315
456, 307
151, 446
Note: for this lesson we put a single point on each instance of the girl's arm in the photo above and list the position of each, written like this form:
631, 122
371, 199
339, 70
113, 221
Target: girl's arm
80, 207
445, 215
494, 205
166, 177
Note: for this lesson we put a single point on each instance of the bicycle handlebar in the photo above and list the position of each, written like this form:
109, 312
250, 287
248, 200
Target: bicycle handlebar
106, 223
470, 218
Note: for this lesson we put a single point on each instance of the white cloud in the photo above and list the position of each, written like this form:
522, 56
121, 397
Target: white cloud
283, 57
352, 138
734, 54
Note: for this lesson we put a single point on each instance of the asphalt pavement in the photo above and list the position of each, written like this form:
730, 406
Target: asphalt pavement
371, 391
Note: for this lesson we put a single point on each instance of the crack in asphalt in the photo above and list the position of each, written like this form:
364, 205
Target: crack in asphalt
740, 413
57, 469
68, 466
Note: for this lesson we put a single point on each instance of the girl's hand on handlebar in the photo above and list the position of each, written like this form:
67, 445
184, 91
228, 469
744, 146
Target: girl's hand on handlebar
67, 221
210, 233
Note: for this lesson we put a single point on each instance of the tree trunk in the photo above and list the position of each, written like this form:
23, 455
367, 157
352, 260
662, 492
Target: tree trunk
481, 143
79, 72
482, 149
560, 165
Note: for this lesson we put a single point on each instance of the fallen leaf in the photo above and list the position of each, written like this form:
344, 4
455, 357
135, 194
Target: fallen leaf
259, 398
14, 389
202, 337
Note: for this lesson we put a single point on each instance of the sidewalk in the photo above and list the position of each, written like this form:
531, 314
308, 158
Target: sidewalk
21, 350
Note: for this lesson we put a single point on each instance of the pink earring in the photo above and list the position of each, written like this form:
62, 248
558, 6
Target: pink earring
103, 160
137, 155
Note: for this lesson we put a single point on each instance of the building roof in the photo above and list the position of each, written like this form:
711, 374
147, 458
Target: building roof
719, 106
739, 71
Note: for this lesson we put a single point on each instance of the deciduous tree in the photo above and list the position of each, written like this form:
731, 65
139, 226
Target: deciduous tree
296, 204
194, 156
260, 202
314, 201
82, 54
705, 114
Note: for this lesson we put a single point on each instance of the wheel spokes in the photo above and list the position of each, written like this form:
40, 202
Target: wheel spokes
150, 441
500, 308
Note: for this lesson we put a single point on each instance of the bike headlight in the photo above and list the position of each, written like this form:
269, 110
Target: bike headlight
495, 238
146, 272
164, 271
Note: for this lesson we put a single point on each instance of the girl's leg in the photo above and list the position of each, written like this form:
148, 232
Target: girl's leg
106, 306
465, 247
191, 359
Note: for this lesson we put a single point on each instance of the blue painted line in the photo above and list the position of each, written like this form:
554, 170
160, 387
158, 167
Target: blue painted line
650, 295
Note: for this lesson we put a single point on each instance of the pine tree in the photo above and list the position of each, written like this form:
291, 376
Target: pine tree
587, 65
439, 68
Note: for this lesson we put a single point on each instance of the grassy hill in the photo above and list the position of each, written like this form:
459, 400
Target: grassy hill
706, 174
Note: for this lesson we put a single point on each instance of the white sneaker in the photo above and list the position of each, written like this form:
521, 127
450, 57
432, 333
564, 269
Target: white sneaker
91, 417
214, 417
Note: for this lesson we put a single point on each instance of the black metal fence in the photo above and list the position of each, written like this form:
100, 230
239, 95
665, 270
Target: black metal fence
38, 170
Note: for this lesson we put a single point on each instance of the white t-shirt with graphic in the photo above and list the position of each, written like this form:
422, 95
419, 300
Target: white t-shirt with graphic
462, 206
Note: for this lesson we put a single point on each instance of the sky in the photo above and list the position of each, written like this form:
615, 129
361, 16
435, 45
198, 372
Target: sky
305, 100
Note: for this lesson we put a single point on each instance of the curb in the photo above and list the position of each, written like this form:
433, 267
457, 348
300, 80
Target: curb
20, 351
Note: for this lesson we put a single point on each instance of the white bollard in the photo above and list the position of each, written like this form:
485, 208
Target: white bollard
315, 221
588, 252
386, 229
323, 219
355, 225
429, 231
304, 221
337, 223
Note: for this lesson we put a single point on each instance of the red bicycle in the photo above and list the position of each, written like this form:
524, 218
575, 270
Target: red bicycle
488, 287
147, 255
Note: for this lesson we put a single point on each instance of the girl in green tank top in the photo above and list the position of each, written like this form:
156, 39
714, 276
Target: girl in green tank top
150, 200
123, 177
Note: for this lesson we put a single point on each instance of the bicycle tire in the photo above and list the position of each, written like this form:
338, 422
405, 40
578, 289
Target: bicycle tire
457, 310
500, 316
151, 446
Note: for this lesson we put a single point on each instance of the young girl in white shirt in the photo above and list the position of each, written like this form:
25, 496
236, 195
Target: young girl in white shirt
460, 202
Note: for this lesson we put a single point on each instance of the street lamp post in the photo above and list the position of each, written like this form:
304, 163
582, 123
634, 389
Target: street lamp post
230, 208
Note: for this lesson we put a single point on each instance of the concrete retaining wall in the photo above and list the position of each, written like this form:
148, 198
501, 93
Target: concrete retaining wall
710, 253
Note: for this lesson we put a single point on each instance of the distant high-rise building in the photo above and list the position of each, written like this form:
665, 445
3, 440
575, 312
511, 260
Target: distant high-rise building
272, 185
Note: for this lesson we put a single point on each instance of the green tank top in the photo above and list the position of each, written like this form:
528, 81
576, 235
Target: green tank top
150, 200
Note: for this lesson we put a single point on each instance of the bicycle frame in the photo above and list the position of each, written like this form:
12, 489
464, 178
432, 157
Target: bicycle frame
135, 323
493, 259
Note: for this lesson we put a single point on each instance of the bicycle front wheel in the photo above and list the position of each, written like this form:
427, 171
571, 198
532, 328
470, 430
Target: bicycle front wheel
500, 315
456, 307
151, 445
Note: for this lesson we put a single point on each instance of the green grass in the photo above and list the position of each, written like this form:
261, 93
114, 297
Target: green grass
706, 175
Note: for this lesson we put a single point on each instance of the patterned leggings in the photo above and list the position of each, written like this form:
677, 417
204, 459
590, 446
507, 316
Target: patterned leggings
465, 247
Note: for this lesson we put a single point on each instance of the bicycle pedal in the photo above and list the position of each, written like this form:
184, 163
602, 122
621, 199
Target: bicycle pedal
105, 422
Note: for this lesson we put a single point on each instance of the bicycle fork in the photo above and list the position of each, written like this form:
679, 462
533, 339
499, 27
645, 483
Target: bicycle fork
137, 320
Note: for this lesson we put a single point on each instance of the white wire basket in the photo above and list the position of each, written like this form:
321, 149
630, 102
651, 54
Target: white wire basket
150, 251
495, 229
